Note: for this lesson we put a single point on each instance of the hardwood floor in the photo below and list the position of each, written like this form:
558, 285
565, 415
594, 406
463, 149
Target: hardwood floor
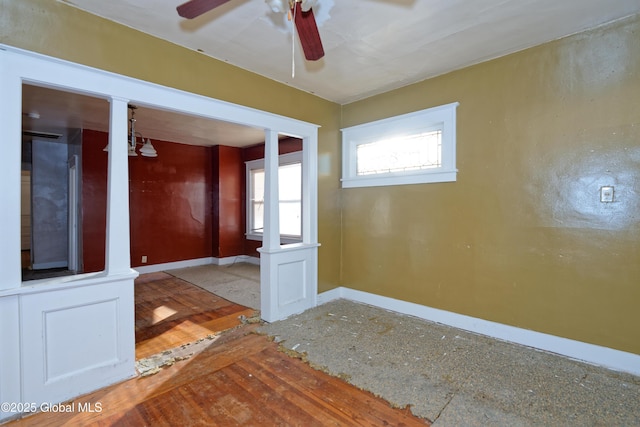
171, 312
238, 379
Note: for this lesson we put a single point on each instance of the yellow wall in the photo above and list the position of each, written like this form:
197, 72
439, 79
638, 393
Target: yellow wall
521, 238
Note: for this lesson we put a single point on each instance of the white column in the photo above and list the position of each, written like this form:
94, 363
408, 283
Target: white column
117, 242
271, 233
10, 161
310, 190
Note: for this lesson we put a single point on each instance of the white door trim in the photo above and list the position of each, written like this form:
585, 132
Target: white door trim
74, 179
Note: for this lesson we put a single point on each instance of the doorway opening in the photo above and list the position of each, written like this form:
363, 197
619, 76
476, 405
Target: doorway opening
51, 244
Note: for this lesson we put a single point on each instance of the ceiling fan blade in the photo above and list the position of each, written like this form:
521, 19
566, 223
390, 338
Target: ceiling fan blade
308, 33
194, 8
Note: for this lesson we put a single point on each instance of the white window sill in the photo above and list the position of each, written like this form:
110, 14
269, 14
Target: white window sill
403, 179
283, 239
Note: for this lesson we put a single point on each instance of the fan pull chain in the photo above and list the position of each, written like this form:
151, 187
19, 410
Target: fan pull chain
293, 43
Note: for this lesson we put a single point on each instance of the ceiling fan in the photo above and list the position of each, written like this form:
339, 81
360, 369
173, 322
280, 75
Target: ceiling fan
300, 10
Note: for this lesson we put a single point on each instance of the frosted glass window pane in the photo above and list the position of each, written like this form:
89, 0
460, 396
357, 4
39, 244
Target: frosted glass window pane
413, 152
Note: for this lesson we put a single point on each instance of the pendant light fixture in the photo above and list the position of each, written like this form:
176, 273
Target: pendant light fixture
146, 149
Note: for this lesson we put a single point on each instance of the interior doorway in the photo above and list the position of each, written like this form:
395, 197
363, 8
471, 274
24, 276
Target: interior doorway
50, 204
288, 271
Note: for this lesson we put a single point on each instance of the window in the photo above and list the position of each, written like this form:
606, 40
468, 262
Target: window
413, 148
289, 191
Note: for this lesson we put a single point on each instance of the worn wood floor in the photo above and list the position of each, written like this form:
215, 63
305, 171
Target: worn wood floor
239, 379
171, 312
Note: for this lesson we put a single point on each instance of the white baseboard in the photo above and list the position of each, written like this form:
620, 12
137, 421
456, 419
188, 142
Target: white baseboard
332, 294
174, 265
239, 258
589, 353
196, 262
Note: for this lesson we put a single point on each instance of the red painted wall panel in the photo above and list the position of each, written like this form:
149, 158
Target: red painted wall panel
285, 146
187, 203
170, 204
94, 199
170, 201
228, 172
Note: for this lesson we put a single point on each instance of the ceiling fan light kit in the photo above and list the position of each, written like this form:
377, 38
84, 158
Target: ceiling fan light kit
281, 6
302, 11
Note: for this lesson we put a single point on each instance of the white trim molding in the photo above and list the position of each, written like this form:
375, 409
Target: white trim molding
291, 271
153, 268
387, 131
239, 258
616, 360
258, 164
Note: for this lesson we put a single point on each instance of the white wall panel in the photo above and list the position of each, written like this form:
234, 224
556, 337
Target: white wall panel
73, 345
291, 282
9, 353
288, 280
76, 339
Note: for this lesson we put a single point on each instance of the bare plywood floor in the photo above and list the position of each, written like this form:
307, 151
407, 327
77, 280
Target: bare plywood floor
240, 378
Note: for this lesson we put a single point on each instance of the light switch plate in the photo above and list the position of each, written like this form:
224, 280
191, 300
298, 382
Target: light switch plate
606, 194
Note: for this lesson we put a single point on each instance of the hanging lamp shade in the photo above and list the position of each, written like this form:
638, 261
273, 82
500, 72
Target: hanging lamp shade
148, 150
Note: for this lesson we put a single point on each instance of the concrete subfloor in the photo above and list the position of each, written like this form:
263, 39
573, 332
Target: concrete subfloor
455, 378
446, 375
238, 282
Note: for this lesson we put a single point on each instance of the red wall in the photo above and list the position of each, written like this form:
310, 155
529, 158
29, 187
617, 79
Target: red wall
94, 199
170, 201
228, 190
285, 146
187, 203
170, 204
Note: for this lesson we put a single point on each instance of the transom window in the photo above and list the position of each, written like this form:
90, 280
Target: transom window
405, 153
413, 148
289, 192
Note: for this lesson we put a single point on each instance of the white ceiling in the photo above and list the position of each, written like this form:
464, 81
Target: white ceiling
371, 46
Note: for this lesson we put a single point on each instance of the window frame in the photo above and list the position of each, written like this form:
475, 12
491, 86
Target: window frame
250, 165
441, 118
